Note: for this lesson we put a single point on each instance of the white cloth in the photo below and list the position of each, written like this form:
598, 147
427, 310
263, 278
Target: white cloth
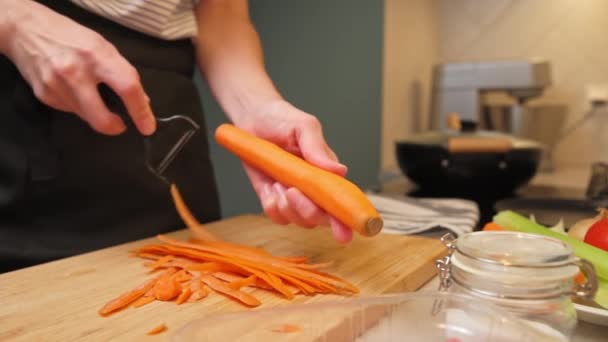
164, 19
407, 215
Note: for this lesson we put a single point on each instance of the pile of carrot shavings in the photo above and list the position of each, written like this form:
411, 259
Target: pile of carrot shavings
190, 271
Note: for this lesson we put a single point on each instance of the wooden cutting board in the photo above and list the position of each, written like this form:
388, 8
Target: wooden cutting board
58, 301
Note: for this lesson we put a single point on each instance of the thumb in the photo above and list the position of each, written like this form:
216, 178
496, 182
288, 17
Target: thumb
316, 151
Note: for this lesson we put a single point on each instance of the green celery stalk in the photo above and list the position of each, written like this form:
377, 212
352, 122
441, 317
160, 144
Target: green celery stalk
601, 297
598, 257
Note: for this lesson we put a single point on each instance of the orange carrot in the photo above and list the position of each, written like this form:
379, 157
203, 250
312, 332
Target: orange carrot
157, 329
259, 283
221, 287
237, 284
186, 293
162, 261
167, 288
191, 222
148, 256
211, 254
491, 226
143, 301
129, 297
207, 267
319, 280
199, 290
286, 328
335, 194
193, 269
182, 276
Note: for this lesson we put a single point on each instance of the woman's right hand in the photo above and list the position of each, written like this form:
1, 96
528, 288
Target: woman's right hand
64, 62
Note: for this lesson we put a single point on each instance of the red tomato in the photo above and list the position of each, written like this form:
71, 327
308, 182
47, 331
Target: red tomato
597, 235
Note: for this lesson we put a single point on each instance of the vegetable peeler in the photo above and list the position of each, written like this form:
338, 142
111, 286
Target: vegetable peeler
161, 148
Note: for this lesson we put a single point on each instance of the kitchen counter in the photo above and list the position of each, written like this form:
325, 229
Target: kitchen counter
561, 183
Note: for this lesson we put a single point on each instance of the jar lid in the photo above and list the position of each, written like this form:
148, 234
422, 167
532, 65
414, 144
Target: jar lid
515, 249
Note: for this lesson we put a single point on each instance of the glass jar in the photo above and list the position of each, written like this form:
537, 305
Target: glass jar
529, 275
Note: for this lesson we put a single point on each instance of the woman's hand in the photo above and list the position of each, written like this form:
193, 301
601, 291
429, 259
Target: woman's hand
230, 58
301, 134
64, 63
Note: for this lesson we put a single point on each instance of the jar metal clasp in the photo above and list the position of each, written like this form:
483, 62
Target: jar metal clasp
588, 289
443, 265
444, 269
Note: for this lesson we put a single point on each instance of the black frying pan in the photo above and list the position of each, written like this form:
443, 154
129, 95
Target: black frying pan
468, 161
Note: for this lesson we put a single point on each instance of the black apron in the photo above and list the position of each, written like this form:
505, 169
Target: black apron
65, 189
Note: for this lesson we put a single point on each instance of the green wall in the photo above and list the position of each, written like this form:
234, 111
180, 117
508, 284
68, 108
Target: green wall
325, 57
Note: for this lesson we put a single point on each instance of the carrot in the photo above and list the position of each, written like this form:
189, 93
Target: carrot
237, 284
186, 293
148, 256
199, 290
129, 297
286, 328
157, 329
259, 283
221, 287
182, 276
491, 226
335, 194
191, 222
274, 266
191, 250
160, 262
167, 288
207, 267
143, 301
192, 269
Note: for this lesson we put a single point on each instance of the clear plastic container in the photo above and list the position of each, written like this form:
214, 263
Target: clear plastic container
419, 316
528, 275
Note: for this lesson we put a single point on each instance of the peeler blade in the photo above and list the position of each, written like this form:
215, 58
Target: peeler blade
172, 135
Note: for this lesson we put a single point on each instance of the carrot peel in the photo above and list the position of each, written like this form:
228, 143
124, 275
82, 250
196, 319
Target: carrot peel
157, 329
191, 270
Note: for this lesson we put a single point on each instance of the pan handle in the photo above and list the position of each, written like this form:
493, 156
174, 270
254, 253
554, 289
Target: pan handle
480, 145
453, 121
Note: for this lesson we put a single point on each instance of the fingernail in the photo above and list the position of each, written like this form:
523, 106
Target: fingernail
148, 125
277, 187
268, 198
282, 199
344, 168
265, 191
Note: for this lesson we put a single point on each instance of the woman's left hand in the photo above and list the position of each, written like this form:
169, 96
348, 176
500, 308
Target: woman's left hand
301, 134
